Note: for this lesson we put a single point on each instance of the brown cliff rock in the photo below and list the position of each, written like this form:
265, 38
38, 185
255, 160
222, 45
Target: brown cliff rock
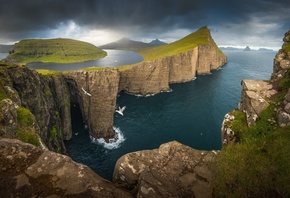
155, 76
145, 78
28, 171
172, 170
255, 97
182, 67
209, 58
98, 105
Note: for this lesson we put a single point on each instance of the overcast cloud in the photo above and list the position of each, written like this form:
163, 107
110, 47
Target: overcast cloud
257, 23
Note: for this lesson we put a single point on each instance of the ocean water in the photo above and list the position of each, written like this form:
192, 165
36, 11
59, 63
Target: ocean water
113, 58
191, 114
3, 55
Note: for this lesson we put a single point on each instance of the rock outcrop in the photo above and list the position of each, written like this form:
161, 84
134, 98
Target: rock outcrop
172, 170
96, 93
28, 171
46, 97
255, 98
281, 76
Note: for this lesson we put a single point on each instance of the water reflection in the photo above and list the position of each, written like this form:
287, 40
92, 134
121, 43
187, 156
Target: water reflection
113, 59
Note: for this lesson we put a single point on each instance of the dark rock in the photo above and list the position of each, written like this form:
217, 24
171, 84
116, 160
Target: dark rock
28, 171
247, 49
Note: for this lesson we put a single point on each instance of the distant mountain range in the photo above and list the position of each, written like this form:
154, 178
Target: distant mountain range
245, 49
127, 44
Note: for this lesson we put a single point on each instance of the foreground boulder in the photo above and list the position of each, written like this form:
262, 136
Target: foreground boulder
172, 170
28, 171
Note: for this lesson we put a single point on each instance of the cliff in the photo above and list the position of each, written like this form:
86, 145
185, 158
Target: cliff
164, 66
47, 98
260, 126
98, 106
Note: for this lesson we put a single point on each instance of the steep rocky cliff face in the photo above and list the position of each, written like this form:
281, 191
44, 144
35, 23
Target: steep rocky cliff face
96, 93
154, 76
28, 171
46, 97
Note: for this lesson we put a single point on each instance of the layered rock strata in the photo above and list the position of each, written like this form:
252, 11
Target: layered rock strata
172, 170
46, 97
96, 93
281, 75
255, 98
27, 171
155, 76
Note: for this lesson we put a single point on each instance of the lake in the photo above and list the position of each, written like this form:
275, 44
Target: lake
191, 114
114, 58
3, 55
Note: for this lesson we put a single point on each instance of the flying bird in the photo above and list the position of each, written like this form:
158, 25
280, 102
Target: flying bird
120, 110
87, 93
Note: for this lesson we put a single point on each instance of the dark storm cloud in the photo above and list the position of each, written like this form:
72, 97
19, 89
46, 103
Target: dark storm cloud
22, 18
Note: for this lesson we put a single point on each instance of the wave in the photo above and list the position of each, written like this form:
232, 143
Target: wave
113, 143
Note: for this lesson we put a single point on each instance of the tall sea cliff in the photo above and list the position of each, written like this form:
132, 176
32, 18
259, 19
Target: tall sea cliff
49, 98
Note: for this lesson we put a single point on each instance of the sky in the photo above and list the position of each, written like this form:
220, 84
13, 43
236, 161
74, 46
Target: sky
236, 23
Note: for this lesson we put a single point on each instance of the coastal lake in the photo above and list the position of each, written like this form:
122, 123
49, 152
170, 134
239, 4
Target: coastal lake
113, 58
3, 55
191, 114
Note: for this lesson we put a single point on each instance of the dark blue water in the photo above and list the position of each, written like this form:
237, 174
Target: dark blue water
192, 114
114, 58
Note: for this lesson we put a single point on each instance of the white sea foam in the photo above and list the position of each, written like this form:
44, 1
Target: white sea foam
113, 143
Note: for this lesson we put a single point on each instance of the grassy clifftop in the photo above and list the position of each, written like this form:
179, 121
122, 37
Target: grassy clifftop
54, 50
201, 36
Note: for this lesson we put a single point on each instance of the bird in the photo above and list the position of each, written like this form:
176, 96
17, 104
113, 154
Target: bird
120, 110
87, 93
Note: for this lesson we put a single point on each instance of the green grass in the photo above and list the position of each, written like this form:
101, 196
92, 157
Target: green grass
55, 50
94, 68
189, 42
286, 47
47, 72
25, 127
258, 166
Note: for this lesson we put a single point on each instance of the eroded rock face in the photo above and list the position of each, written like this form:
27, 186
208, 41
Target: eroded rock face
27, 171
99, 103
172, 170
146, 78
255, 96
46, 98
8, 118
228, 135
155, 76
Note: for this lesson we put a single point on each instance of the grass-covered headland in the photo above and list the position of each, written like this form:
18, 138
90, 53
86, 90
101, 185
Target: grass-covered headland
189, 42
54, 50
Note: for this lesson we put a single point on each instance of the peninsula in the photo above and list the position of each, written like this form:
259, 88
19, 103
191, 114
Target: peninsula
54, 50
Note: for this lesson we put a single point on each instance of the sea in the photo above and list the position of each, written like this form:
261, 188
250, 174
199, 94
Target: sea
192, 113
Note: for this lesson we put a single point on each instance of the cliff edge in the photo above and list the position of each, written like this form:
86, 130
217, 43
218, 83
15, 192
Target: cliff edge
176, 62
254, 159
